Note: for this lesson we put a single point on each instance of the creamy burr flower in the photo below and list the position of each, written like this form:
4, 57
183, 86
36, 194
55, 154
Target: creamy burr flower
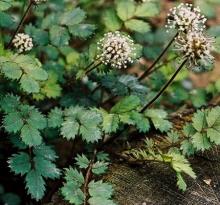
185, 17
196, 47
23, 42
116, 49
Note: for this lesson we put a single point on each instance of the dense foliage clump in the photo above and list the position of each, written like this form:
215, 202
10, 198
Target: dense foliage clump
75, 80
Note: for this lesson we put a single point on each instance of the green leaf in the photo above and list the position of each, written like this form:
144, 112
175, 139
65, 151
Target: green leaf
5, 4
148, 9
30, 136
59, 36
82, 161
180, 182
213, 117
173, 136
74, 175
70, 128
137, 25
181, 164
200, 141
213, 135
13, 122
20, 163
72, 193
35, 184
36, 119
100, 189
187, 148
55, 118
45, 151
73, 17
99, 167
159, 120
141, 122
6, 20
11, 70
46, 168
10, 103
110, 122
125, 9
82, 30
199, 121
127, 104
29, 85
111, 20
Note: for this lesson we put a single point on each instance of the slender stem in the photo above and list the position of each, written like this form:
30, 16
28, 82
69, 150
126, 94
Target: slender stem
158, 59
164, 87
87, 177
21, 23
92, 68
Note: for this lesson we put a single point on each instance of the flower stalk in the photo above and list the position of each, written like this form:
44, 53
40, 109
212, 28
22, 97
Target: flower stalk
30, 4
164, 87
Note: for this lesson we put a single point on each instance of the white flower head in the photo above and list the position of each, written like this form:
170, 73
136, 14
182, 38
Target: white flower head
116, 49
23, 42
196, 47
39, 1
185, 17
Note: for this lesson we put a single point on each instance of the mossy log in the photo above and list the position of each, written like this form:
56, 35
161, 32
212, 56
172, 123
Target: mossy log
155, 183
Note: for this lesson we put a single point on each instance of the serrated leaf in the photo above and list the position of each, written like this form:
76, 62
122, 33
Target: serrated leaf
45, 151
36, 119
127, 104
35, 184
213, 135
180, 182
82, 30
187, 148
55, 118
137, 25
9, 103
6, 4
46, 168
59, 36
70, 128
13, 122
110, 122
200, 141
159, 120
125, 9
148, 9
111, 20
11, 70
30, 136
181, 164
141, 122
73, 17
100, 189
20, 163
74, 175
213, 117
99, 167
29, 85
82, 161
72, 193
199, 121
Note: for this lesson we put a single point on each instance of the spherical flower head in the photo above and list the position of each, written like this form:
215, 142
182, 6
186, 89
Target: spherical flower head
23, 42
39, 1
116, 49
196, 47
185, 18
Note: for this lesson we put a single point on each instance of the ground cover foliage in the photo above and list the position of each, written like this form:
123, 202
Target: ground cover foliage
79, 76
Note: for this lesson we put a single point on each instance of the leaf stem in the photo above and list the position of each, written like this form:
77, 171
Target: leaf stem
20, 23
87, 177
145, 74
164, 87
